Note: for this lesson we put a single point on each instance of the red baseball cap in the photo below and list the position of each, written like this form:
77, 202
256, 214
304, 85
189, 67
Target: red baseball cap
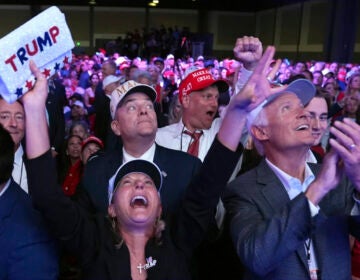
198, 80
92, 139
230, 72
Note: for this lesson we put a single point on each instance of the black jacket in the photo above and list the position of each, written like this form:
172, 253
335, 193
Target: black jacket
91, 237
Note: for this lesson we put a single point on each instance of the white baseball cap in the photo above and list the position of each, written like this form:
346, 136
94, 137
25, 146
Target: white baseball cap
127, 88
303, 88
109, 80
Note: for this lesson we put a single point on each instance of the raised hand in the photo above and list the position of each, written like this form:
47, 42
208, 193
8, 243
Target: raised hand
35, 99
248, 50
37, 139
258, 87
251, 95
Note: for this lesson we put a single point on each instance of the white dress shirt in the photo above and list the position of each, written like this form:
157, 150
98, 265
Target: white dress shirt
172, 137
148, 155
19, 172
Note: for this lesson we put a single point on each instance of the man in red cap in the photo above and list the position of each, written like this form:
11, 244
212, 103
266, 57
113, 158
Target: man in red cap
195, 132
198, 94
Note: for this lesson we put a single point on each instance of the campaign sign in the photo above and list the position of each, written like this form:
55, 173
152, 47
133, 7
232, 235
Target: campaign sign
45, 39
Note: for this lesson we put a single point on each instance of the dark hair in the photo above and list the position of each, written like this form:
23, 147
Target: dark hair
301, 62
309, 73
329, 75
63, 161
319, 72
336, 86
92, 75
6, 155
293, 78
111, 63
321, 93
67, 140
77, 96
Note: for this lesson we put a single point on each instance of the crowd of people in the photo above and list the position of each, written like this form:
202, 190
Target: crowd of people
154, 41
183, 168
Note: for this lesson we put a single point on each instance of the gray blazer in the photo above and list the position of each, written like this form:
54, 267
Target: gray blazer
269, 230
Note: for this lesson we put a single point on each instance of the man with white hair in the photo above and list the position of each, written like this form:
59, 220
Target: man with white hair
290, 219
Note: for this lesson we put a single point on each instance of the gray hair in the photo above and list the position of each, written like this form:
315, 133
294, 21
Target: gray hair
138, 74
261, 121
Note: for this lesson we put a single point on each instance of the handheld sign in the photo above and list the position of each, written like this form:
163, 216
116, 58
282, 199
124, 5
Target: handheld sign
45, 39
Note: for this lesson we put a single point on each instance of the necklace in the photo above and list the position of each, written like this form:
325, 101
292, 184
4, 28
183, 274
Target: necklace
150, 262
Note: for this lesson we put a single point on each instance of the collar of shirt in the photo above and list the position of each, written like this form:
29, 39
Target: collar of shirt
18, 157
293, 185
311, 157
180, 128
148, 155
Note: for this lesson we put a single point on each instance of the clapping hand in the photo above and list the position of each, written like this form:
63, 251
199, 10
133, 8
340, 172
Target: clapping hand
347, 145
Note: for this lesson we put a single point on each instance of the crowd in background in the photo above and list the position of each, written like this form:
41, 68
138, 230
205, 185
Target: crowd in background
83, 75
155, 41
78, 104
82, 79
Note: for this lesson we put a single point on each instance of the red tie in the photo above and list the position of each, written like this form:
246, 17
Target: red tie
193, 148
